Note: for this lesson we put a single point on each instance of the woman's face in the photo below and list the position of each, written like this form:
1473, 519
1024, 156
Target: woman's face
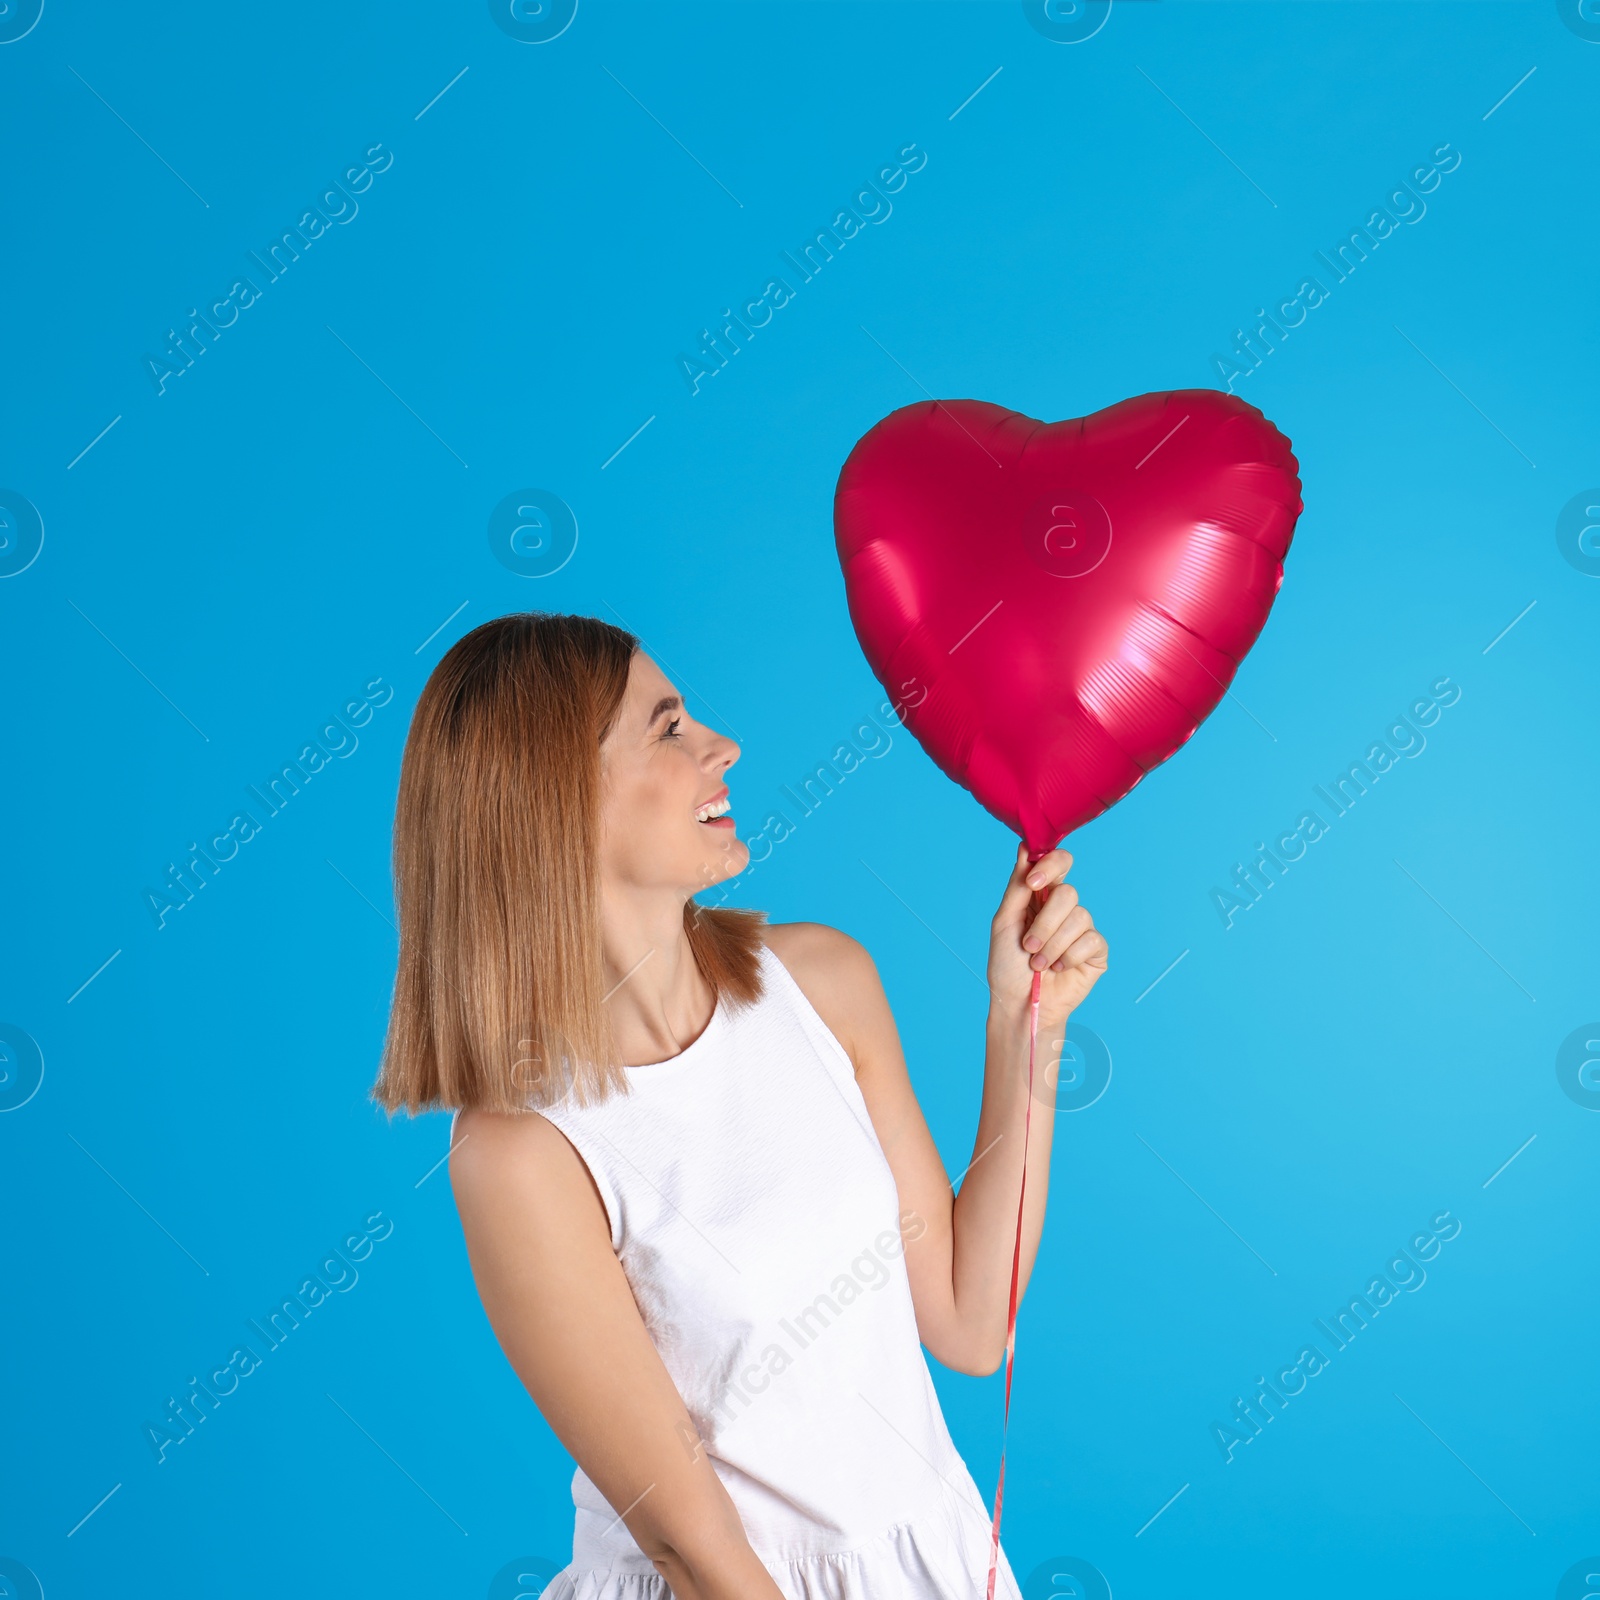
663, 789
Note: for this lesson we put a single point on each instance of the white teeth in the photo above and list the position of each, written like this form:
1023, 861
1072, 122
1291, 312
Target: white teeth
717, 808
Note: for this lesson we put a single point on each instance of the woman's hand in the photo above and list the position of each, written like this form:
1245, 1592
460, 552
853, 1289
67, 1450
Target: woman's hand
1059, 940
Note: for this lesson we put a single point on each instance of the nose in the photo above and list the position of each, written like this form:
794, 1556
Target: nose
721, 753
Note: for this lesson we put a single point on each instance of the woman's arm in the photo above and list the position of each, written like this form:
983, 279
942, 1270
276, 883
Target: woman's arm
562, 1310
960, 1265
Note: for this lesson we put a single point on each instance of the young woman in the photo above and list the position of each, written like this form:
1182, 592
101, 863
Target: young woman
704, 1213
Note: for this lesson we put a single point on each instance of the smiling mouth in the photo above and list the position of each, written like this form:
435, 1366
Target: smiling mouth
715, 813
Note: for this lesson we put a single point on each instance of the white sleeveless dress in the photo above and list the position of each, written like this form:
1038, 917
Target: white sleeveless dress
757, 1221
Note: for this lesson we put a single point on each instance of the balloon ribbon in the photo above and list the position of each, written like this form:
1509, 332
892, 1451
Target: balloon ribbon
1016, 1266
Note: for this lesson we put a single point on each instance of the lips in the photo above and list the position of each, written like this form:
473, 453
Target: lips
714, 811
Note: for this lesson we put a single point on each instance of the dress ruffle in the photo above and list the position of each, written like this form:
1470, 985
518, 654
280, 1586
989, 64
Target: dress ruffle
910, 1562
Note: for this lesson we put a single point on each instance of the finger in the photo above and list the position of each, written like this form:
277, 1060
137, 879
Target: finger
1072, 926
1050, 868
1014, 901
1077, 923
1048, 917
1088, 949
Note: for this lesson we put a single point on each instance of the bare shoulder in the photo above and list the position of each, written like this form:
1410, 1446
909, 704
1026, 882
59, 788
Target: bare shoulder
522, 1162
838, 976
485, 1142
820, 956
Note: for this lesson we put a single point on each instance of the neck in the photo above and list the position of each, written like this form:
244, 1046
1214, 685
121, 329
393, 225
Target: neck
659, 1002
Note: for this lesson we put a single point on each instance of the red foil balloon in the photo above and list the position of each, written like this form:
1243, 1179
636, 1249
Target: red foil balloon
1056, 607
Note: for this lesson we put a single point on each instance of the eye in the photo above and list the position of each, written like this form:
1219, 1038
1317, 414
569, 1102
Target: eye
672, 729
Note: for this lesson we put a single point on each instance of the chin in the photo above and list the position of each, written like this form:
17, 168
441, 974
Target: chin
728, 862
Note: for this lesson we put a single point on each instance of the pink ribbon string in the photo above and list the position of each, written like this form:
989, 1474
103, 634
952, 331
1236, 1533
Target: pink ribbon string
1016, 1267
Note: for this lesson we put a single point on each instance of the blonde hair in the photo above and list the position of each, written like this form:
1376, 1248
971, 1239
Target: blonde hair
500, 990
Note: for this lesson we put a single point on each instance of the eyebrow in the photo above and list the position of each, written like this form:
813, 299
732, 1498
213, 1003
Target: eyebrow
668, 702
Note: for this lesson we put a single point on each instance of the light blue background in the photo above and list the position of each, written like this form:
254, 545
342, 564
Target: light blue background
239, 556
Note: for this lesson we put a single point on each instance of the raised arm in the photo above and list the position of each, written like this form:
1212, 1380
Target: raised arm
562, 1310
959, 1261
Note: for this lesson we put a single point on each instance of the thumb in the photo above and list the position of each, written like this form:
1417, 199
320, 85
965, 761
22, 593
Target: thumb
1017, 893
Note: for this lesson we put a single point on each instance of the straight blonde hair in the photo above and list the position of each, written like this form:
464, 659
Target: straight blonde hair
499, 997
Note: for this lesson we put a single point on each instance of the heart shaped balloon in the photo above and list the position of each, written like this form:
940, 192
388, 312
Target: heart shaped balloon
1056, 607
